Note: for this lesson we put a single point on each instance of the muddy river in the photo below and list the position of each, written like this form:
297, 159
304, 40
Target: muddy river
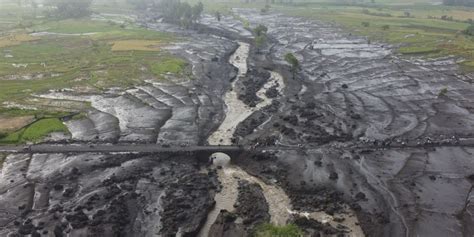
366, 145
279, 203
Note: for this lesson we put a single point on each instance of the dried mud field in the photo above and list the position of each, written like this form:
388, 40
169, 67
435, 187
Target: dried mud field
369, 145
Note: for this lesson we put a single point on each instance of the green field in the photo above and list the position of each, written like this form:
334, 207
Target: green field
86, 55
62, 61
35, 132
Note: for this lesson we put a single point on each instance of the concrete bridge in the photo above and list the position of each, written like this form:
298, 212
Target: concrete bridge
201, 152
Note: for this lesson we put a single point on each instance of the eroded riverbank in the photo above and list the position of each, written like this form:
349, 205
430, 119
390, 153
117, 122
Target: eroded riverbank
355, 104
229, 174
280, 209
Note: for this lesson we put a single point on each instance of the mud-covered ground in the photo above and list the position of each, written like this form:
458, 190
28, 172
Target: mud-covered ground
364, 95
376, 146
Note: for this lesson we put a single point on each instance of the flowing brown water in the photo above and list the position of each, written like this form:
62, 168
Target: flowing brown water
280, 208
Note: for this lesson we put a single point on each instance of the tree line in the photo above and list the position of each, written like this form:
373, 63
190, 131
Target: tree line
458, 2
172, 11
68, 8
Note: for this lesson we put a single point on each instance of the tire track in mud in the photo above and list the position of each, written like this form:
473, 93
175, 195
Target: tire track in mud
384, 187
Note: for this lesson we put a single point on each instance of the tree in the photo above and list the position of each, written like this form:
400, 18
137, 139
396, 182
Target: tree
218, 16
186, 15
34, 5
260, 36
260, 30
443, 92
260, 41
3, 135
266, 9
197, 11
179, 13
69, 8
469, 30
293, 61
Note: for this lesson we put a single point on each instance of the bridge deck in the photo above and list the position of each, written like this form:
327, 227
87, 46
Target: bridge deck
155, 148
64, 148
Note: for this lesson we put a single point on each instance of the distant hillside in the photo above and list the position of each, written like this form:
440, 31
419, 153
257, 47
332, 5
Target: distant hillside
459, 3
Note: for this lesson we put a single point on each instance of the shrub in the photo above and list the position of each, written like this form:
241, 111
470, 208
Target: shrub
365, 24
443, 92
385, 27
260, 30
292, 60
266, 9
3, 135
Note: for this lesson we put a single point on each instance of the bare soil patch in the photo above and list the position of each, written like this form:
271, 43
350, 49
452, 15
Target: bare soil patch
14, 123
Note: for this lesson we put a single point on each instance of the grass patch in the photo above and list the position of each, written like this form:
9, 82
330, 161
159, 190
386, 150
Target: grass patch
141, 45
76, 26
169, 65
269, 230
419, 50
35, 131
15, 39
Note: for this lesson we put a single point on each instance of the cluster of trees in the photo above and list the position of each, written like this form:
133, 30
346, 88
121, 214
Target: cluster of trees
176, 12
172, 11
458, 2
69, 8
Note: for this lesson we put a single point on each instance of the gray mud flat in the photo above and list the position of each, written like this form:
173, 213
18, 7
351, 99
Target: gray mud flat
103, 195
376, 150
348, 93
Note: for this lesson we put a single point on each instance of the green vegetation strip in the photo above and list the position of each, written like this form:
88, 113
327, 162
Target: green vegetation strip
35, 131
269, 230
